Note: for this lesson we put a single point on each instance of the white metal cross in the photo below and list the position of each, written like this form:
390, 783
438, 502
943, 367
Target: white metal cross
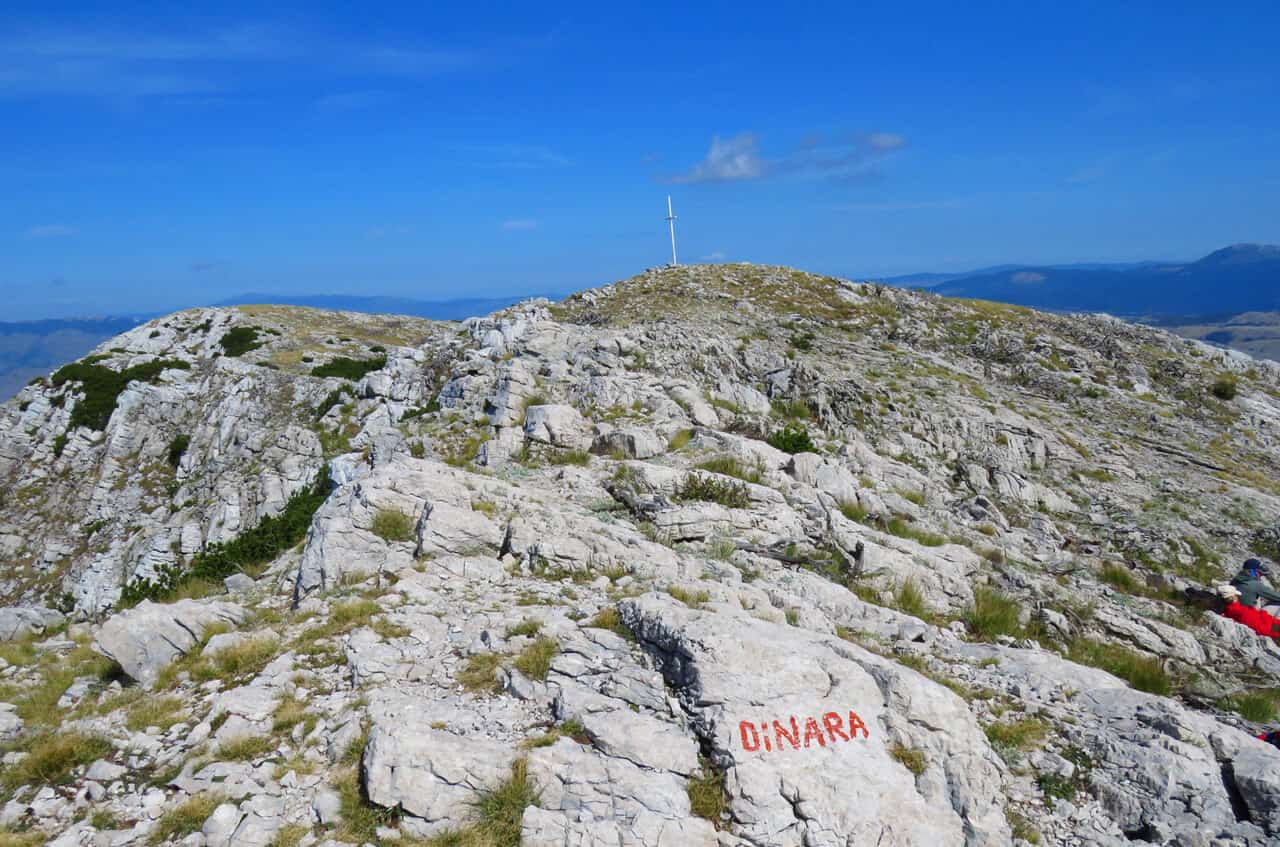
671, 223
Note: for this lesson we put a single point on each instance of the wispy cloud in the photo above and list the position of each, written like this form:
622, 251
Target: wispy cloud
714, 256
50, 231
843, 157
127, 64
519, 225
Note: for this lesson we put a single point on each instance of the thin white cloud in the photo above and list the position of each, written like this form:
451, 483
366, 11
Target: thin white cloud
129, 64
519, 225
50, 231
843, 158
730, 160
714, 256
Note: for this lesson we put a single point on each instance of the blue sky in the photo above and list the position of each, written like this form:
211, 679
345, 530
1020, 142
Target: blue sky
151, 159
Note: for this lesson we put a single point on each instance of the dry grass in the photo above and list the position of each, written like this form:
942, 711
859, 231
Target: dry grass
180, 822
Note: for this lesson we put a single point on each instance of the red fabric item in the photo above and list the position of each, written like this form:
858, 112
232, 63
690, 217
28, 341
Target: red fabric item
1257, 620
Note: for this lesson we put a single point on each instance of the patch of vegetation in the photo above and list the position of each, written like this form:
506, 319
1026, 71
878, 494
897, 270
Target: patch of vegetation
909, 599
912, 760
246, 748
734, 467
1226, 386
177, 447
239, 340
163, 712
991, 615
360, 818
733, 495
797, 410
352, 369
802, 341
904, 529
239, 661
534, 661
290, 835
1020, 827
102, 387
59, 444
498, 812
479, 676
680, 439
692, 599
792, 439
1255, 706
185, 819
1021, 735
609, 618
333, 398
568, 457
1144, 673
527, 627
52, 757
252, 548
392, 526
1119, 577
571, 728
706, 792
851, 510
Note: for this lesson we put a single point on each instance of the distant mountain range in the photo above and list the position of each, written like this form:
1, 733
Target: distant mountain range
440, 310
1233, 280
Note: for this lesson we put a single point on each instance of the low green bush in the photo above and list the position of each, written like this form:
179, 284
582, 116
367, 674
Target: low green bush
102, 386
792, 439
258, 546
734, 467
177, 447
239, 340
1225, 387
710, 489
352, 369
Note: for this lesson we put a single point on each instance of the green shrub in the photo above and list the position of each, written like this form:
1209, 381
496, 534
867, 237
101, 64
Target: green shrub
102, 387
802, 341
1225, 387
59, 444
792, 439
239, 340
352, 369
392, 526
992, 614
1144, 673
177, 447
709, 489
260, 545
528, 626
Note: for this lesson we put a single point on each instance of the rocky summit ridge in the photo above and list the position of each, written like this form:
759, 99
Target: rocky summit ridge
717, 555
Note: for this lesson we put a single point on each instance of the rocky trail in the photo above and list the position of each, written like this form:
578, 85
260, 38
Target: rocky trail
718, 555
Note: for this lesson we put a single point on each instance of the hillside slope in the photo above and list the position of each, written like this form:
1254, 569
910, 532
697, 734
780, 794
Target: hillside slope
716, 555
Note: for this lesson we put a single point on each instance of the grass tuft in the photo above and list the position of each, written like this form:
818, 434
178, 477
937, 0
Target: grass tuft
392, 526
185, 819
